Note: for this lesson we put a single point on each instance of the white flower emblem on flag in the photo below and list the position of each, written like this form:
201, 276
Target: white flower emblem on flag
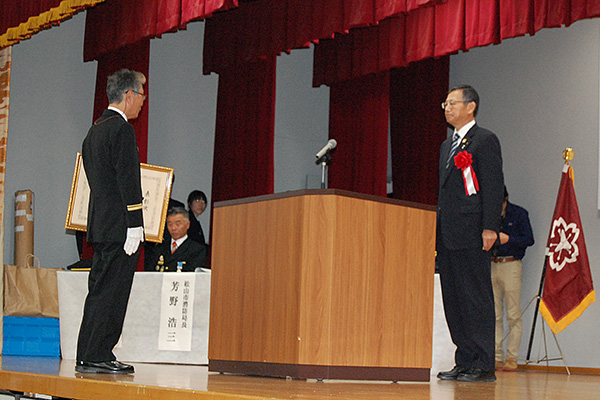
568, 286
563, 244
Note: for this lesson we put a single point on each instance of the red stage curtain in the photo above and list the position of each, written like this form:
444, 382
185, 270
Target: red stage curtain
417, 128
118, 23
439, 30
269, 27
245, 122
364, 51
195, 9
394, 43
387, 8
19, 19
551, 13
581, 9
516, 18
135, 57
481, 23
358, 121
449, 27
15, 12
419, 38
244, 133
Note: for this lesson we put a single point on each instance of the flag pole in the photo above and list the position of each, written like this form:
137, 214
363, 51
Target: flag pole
568, 155
537, 308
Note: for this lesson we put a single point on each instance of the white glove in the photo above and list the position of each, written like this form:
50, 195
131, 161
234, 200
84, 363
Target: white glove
134, 238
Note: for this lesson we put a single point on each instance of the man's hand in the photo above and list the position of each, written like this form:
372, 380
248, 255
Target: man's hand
134, 238
503, 238
489, 238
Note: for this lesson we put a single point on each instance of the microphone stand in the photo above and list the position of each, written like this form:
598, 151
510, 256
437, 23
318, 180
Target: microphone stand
324, 161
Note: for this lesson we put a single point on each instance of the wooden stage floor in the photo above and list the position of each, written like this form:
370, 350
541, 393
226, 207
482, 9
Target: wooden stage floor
52, 376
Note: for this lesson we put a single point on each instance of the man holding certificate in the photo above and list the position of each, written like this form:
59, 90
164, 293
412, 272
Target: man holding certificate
115, 224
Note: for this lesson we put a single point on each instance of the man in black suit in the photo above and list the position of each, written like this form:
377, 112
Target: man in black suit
180, 253
115, 226
151, 248
468, 219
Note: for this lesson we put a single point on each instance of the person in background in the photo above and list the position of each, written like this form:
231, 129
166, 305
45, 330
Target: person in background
115, 226
515, 236
196, 205
468, 221
180, 253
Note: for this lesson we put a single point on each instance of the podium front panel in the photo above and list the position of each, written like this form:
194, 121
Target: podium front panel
322, 284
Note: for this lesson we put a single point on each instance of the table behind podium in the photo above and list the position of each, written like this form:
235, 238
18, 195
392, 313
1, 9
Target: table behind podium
322, 284
139, 341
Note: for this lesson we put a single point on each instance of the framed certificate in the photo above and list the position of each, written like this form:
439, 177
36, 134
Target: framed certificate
156, 191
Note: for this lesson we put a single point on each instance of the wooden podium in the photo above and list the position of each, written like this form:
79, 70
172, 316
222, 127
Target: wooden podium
322, 283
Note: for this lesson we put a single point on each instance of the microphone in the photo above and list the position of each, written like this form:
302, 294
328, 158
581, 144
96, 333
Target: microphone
328, 147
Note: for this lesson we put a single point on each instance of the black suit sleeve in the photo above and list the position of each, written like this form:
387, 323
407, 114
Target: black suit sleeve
127, 166
491, 181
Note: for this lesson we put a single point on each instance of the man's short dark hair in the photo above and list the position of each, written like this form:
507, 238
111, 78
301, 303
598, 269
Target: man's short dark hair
122, 81
469, 95
195, 195
178, 210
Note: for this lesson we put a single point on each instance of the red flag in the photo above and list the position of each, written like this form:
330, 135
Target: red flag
568, 286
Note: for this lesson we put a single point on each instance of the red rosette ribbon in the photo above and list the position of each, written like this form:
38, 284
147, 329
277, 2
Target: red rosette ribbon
463, 161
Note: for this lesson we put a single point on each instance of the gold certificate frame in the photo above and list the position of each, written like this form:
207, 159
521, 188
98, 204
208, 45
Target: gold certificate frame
156, 191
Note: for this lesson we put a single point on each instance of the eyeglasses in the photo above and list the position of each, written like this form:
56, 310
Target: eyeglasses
136, 92
452, 103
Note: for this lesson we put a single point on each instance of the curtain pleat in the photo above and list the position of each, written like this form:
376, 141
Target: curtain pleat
167, 16
13, 13
245, 121
417, 128
359, 13
385, 8
306, 21
118, 23
450, 27
414, 4
299, 21
481, 23
581, 9
551, 13
358, 121
364, 51
516, 18
391, 53
19, 19
327, 17
194, 9
419, 40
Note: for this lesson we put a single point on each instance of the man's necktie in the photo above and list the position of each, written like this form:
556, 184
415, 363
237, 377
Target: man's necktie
173, 247
455, 142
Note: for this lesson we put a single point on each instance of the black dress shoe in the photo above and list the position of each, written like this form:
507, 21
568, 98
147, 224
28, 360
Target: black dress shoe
103, 367
452, 374
477, 375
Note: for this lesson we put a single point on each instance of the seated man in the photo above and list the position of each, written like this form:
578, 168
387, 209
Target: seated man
189, 254
151, 248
